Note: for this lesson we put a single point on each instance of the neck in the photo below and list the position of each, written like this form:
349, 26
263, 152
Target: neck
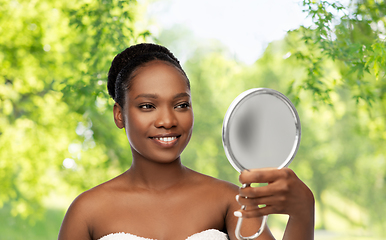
156, 176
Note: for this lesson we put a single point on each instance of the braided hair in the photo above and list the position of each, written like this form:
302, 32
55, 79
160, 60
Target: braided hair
126, 62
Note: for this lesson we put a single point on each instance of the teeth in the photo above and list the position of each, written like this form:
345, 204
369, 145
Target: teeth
166, 139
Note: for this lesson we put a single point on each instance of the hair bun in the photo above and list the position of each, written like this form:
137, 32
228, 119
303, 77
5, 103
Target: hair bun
125, 57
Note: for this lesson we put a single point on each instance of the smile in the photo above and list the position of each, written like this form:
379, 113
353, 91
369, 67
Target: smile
165, 139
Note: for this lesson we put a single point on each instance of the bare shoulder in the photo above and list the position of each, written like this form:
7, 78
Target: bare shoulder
96, 195
78, 221
217, 186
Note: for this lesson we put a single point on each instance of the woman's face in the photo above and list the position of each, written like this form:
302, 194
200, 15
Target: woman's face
157, 115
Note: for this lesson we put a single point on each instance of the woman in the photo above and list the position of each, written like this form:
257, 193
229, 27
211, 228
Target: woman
158, 197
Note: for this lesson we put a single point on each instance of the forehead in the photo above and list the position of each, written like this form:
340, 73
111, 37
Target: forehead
158, 77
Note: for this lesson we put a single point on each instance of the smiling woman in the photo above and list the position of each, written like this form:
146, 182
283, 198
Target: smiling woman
157, 113
158, 197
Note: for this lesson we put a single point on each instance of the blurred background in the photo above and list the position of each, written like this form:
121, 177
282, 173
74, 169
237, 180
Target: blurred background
58, 138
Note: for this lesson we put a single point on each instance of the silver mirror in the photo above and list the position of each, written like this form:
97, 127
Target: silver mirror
261, 129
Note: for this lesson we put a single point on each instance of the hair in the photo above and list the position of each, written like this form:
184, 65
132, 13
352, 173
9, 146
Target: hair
125, 63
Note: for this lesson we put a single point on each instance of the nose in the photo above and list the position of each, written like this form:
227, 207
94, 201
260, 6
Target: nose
166, 118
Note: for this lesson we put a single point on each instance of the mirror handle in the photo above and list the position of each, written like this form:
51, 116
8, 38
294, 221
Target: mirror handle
240, 220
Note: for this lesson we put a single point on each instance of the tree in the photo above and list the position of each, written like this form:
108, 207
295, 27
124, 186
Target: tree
54, 59
352, 38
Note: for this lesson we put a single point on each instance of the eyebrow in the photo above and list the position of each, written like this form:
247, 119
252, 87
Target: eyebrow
155, 96
147, 95
181, 95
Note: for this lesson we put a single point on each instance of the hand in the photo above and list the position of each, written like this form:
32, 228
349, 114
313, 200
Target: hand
284, 194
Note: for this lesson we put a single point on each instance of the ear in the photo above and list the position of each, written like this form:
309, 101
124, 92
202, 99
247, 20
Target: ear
118, 116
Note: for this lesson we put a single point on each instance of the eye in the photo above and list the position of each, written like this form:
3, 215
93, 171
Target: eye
183, 105
146, 106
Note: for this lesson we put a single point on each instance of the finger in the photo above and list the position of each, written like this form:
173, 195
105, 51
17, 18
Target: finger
264, 175
273, 189
255, 192
258, 212
252, 203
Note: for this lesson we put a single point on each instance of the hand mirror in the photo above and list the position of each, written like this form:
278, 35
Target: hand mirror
261, 129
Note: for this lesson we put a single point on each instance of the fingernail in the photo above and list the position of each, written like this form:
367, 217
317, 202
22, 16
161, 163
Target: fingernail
237, 214
237, 197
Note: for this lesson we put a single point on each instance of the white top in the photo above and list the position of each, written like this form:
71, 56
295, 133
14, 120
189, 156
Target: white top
211, 234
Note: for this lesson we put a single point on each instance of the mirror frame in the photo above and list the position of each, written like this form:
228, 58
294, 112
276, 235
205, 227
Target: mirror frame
234, 106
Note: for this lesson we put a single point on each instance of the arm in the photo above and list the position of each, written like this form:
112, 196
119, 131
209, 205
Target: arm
284, 194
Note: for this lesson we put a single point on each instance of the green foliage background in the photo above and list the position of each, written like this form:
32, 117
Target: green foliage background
54, 58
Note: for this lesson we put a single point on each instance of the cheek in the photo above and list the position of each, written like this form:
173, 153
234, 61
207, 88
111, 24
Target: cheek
188, 121
137, 125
